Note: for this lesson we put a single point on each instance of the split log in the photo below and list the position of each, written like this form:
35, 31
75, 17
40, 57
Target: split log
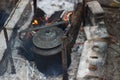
76, 19
94, 32
15, 20
95, 13
71, 35
91, 66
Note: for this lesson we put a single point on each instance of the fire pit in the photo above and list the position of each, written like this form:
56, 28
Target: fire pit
44, 47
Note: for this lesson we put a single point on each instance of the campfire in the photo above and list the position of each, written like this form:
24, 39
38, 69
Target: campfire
43, 42
44, 46
51, 45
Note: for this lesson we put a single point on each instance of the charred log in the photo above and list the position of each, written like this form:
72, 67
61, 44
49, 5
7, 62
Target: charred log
10, 32
70, 37
75, 25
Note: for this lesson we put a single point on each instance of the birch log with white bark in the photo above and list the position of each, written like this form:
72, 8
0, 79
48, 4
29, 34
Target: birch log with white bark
16, 19
92, 61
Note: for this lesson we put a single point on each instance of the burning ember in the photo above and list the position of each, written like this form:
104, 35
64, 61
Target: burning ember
67, 15
35, 22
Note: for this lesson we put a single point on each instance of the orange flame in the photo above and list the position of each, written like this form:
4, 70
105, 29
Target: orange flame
35, 22
66, 16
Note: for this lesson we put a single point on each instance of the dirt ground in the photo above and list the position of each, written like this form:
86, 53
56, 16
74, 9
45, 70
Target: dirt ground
112, 17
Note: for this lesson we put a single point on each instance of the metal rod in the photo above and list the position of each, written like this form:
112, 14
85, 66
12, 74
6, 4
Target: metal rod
6, 35
35, 6
84, 11
13, 70
44, 26
9, 46
64, 57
